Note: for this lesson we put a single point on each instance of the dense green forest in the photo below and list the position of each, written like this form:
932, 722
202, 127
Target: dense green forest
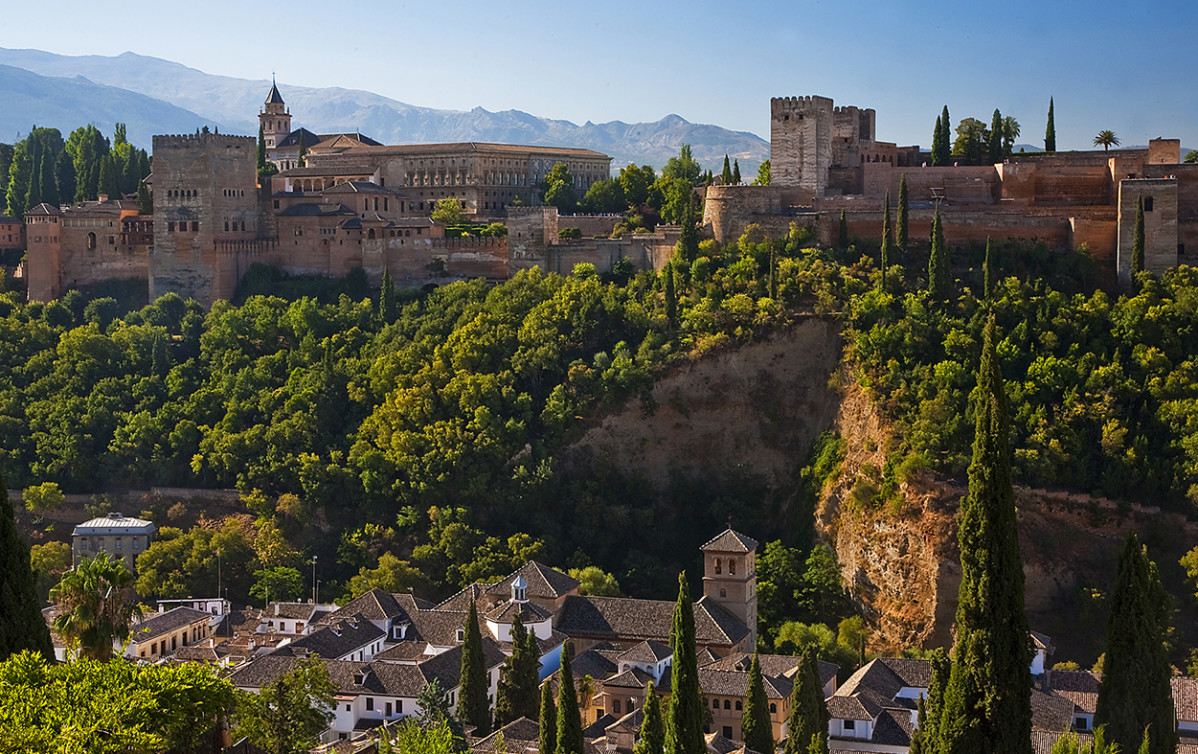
413, 440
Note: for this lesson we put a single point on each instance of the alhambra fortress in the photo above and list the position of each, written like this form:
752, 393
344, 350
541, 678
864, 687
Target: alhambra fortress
355, 203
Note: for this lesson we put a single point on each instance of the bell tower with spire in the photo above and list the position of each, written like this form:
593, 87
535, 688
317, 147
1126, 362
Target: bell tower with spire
730, 576
274, 119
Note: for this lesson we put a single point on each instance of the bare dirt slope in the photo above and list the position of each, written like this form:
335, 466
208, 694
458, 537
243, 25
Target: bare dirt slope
758, 408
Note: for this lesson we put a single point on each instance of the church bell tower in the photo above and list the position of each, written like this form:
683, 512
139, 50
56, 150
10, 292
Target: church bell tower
274, 119
730, 577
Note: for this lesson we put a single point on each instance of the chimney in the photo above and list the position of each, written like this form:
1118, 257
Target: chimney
103, 197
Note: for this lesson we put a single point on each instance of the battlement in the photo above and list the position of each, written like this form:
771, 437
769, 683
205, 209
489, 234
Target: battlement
800, 104
187, 141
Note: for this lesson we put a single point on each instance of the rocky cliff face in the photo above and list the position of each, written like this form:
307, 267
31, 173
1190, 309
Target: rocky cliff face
758, 410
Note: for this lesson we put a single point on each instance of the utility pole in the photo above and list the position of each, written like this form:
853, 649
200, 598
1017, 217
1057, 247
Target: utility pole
313, 579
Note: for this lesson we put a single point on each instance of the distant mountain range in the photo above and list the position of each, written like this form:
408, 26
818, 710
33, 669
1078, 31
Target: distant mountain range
151, 95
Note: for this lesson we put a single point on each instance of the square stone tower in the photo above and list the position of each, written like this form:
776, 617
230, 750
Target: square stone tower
730, 576
206, 214
801, 131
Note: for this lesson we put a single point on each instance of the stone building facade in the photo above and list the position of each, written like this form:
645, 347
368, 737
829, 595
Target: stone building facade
826, 160
83, 244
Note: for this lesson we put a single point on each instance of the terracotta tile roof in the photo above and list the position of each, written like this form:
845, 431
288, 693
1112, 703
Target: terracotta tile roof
506, 612
315, 209
164, 623
593, 663
730, 541
405, 651
1051, 712
543, 582
629, 679
335, 639
376, 604
772, 665
646, 652
1185, 698
893, 728
43, 209
114, 523
1078, 686
621, 618
296, 610
515, 735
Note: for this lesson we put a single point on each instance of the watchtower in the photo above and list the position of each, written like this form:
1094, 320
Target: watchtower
730, 576
274, 119
206, 214
801, 131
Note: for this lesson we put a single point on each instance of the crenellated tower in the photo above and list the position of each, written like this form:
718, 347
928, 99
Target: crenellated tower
801, 130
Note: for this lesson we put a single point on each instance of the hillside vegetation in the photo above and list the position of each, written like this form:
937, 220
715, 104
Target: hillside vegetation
430, 442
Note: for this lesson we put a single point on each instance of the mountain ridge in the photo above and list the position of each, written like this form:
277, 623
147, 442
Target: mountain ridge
233, 104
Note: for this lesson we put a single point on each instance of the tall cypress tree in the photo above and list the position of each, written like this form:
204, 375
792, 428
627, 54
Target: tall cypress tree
684, 727
547, 737
107, 181
808, 712
33, 196
517, 694
387, 301
988, 273
939, 281
671, 295
987, 703
937, 138
303, 152
884, 254
726, 173
995, 145
569, 718
1135, 692
21, 624
842, 241
1050, 132
756, 729
64, 176
1137, 242
261, 149
474, 707
736, 172
902, 228
653, 735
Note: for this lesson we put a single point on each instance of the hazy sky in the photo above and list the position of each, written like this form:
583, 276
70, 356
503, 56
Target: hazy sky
1127, 66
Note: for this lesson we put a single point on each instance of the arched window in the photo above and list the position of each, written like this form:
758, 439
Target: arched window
727, 704
715, 703
91, 241
739, 706
615, 706
773, 708
718, 566
732, 565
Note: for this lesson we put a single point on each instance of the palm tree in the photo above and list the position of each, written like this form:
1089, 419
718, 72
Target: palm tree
1010, 132
96, 606
1106, 140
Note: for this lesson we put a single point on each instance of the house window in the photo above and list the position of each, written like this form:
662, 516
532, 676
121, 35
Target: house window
347, 708
732, 566
739, 706
388, 712
461, 634
118, 544
727, 704
370, 703
136, 544
723, 593
773, 708
718, 566
399, 707
727, 731
850, 725
1148, 204
615, 707
1080, 723
715, 703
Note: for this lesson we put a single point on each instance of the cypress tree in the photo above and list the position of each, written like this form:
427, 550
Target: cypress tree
107, 180
303, 151
684, 727
21, 624
517, 694
987, 703
938, 262
547, 736
1137, 243
1135, 694
995, 145
671, 295
387, 306
653, 736
48, 183
819, 743
902, 227
926, 737
843, 240
736, 172
473, 705
64, 176
988, 273
937, 138
1050, 132
18, 180
33, 196
808, 713
569, 719
726, 173
261, 149
756, 729
884, 255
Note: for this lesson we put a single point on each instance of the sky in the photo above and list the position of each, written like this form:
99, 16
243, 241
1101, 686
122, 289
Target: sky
1125, 67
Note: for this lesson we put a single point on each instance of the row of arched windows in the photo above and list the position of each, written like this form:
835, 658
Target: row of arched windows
182, 193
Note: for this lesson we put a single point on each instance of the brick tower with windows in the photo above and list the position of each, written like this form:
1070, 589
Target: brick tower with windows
274, 119
730, 577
